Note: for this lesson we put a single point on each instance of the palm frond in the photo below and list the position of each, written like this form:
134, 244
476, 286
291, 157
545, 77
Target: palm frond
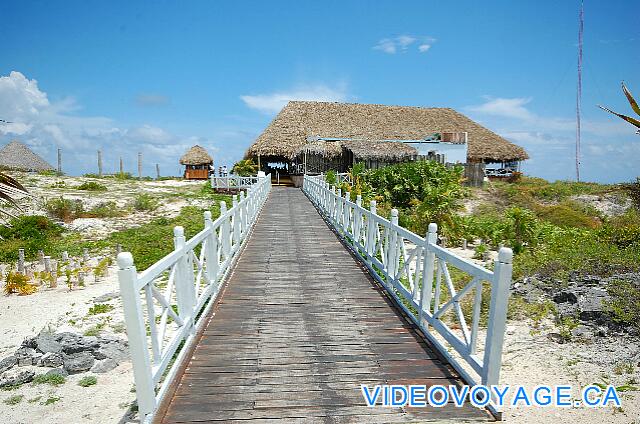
629, 119
632, 101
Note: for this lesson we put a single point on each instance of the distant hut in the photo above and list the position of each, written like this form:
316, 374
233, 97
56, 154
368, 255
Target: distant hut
17, 156
197, 162
315, 136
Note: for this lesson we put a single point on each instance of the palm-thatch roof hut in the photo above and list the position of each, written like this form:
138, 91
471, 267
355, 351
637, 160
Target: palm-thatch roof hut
18, 156
197, 163
372, 132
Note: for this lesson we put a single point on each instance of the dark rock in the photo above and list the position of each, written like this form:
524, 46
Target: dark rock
582, 332
27, 356
14, 378
565, 297
57, 371
30, 342
106, 297
8, 363
78, 362
119, 352
51, 359
46, 342
103, 366
556, 337
74, 343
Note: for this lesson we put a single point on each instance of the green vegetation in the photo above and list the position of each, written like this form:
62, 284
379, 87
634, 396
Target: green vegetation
18, 283
30, 233
624, 306
100, 308
88, 381
91, 186
145, 202
50, 400
52, 379
67, 210
245, 168
13, 400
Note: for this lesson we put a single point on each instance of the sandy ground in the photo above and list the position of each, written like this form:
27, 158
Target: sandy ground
62, 310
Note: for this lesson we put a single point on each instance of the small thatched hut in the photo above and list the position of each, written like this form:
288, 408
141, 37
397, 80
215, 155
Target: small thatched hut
197, 163
315, 136
18, 156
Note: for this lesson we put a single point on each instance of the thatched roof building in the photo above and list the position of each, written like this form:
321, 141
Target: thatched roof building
287, 135
18, 156
196, 156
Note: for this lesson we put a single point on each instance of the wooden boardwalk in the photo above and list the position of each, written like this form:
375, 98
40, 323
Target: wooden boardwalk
298, 328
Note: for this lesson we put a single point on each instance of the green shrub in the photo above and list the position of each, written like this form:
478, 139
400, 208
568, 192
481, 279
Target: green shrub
91, 186
51, 379
100, 308
540, 189
331, 177
31, 233
88, 381
64, 209
566, 214
624, 305
13, 400
104, 210
146, 202
245, 168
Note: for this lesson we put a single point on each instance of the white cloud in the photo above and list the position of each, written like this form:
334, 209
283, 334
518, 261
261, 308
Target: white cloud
44, 126
503, 107
402, 43
272, 103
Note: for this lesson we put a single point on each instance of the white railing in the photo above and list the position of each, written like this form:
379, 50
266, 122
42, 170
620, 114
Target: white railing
166, 304
416, 272
233, 182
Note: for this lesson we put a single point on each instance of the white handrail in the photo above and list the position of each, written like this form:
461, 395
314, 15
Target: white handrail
191, 281
415, 279
232, 182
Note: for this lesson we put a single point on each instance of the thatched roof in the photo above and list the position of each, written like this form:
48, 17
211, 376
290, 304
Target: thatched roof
196, 156
287, 134
18, 156
361, 149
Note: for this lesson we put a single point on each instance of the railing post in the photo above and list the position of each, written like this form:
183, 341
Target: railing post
338, 215
185, 290
497, 317
136, 334
345, 213
357, 219
211, 252
236, 223
371, 230
393, 248
243, 215
225, 231
428, 267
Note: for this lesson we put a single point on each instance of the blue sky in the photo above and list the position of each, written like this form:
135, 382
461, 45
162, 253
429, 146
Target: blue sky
158, 77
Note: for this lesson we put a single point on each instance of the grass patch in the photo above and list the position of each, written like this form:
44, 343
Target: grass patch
88, 381
13, 400
51, 379
624, 305
145, 202
100, 308
50, 400
30, 233
91, 186
35, 399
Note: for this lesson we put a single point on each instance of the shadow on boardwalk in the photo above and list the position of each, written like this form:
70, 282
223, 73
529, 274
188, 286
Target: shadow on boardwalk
298, 328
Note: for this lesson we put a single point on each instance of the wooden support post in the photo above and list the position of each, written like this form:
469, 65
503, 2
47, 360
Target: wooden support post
139, 165
65, 256
100, 163
41, 257
157, 171
85, 254
121, 167
21, 261
59, 161
118, 249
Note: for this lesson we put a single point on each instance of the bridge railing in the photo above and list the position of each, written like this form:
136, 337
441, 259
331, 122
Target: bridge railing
232, 182
424, 278
166, 304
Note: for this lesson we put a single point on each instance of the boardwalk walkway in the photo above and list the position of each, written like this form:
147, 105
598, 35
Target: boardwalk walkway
297, 330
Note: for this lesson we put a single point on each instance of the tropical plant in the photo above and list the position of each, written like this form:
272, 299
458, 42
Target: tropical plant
331, 177
245, 168
634, 105
522, 228
9, 188
19, 283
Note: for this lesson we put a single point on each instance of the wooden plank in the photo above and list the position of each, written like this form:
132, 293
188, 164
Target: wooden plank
298, 328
